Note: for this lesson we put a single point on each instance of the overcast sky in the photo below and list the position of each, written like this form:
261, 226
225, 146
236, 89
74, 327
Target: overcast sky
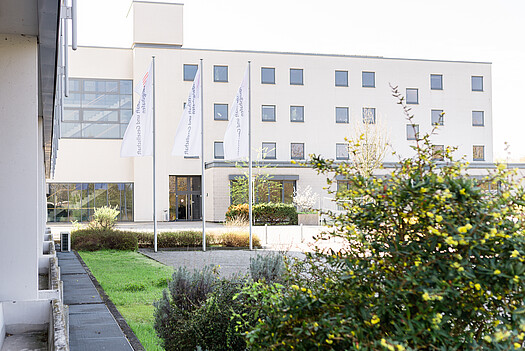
470, 30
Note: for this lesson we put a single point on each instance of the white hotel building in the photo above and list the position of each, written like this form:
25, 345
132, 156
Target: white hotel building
300, 103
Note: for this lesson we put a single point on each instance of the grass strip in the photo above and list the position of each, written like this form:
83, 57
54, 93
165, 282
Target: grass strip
133, 282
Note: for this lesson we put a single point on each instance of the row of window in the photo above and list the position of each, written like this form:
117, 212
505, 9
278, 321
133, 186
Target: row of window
478, 152
368, 79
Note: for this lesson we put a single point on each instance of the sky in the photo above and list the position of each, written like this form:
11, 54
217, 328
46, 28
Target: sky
457, 30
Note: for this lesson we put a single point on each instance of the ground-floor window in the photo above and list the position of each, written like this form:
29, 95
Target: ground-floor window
265, 190
67, 202
185, 198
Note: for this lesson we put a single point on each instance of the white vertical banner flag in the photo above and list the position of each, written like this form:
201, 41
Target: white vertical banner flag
138, 139
236, 143
188, 134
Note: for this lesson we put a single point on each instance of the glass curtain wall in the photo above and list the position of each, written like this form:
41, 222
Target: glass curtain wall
67, 202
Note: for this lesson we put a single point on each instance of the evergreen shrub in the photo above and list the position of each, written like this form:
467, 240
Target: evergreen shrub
90, 239
265, 213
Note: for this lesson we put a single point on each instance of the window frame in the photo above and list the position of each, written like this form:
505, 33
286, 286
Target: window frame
373, 109
412, 129
302, 114
410, 102
342, 108
363, 73
473, 152
292, 154
184, 65
215, 78
337, 146
302, 76
274, 113
262, 75
472, 83
441, 81
215, 144
346, 78
482, 118
215, 105
441, 118
273, 150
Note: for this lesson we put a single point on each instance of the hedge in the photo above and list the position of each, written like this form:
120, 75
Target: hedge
265, 213
103, 239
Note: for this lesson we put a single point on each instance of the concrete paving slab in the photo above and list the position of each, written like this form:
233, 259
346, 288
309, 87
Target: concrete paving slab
78, 289
113, 344
88, 330
90, 308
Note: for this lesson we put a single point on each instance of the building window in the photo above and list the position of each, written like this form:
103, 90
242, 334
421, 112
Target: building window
369, 115
478, 153
412, 96
220, 112
297, 113
268, 113
218, 150
297, 151
267, 75
341, 151
436, 82
477, 83
369, 79
438, 152
97, 109
341, 78
269, 151
437, 117
478, 118
67, 202
341, 115
412, 131
220, 73
296, 76
274, 190
189, 72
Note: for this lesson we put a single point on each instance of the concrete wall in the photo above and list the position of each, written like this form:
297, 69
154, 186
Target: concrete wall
20, 169
166, 28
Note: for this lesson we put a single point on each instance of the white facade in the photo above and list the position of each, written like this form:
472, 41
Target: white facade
97, 160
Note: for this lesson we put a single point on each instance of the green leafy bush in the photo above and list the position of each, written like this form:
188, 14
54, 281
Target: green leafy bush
265, 213
103, 239
431, 262
197, 310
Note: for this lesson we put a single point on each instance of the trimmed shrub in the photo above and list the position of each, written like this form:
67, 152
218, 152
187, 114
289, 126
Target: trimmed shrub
275, 213
237, 239
265, 213
103, 239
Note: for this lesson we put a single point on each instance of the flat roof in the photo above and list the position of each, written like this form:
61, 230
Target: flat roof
176, 47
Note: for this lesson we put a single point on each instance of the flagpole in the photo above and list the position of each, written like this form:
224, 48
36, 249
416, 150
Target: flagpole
203, 183
250, 181
154, 177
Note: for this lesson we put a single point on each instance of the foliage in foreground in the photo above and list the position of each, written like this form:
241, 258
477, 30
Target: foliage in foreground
201, 310
432, 262
133, 282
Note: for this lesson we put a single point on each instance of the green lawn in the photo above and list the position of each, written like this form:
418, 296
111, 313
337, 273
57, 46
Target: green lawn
133, 282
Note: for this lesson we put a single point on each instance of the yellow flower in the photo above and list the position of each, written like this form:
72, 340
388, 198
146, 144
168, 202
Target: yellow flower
497, 271
501, 167
516, 279
487, 338
439, 218
375, 319
515, 253
517, 345
430, 214
295, 287
477, 286
462, 191
426, 296
462, 229
400, 348
303, 289
440, 179
468, 226
328, 341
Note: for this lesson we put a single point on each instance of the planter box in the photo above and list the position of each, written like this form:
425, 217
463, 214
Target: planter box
308, 218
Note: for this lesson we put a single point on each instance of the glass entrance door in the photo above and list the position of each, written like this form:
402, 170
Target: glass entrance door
185, 198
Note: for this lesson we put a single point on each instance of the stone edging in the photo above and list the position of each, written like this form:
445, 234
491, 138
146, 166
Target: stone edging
128, 332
